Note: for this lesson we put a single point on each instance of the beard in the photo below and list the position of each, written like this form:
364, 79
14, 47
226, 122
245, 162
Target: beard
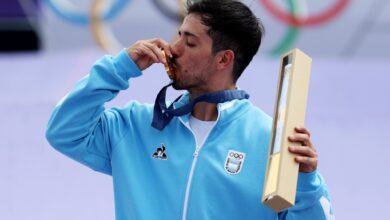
190, 79
189, 82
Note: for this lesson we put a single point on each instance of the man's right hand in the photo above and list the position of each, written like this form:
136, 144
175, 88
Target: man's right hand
146, 52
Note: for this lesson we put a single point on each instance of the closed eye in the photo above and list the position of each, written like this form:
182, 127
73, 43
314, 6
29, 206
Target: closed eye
190, 45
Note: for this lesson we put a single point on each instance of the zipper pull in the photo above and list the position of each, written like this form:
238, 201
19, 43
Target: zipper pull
196, 153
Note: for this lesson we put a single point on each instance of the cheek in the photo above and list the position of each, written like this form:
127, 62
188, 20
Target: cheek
189, 64
196, 64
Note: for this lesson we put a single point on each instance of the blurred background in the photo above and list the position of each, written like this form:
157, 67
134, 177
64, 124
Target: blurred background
47, 45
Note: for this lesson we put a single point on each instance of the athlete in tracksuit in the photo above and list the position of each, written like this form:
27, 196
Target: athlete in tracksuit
168, 173
189, 183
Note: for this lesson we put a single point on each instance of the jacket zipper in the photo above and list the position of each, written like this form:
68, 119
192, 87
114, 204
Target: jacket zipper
193, 165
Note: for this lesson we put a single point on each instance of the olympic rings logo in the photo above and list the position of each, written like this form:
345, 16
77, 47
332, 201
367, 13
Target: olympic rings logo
176, 16
69, 12
236, 155
295, 17
293, 20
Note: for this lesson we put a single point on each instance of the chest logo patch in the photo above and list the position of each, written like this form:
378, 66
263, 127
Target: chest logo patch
160, 153
234, 162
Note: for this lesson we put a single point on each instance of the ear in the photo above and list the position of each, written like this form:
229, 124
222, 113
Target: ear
225, 59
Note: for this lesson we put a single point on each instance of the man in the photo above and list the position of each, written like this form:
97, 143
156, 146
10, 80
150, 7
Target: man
192, 160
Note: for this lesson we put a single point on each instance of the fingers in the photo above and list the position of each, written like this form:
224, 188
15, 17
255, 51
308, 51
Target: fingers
302, 129
306, 157
306, 164
304, 139
146, 52
308, 161
303, 151
302, 135
161, 45
145, 49
306, 154
154, 52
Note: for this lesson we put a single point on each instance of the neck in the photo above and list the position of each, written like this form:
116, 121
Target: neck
206, 111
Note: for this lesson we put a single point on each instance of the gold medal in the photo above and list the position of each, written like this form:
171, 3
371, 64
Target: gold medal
168, 66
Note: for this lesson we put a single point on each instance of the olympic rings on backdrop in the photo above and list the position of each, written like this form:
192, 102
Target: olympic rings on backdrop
309, 21
176, 16
101, 33
282, 47
292, 32
101, 13
69, 12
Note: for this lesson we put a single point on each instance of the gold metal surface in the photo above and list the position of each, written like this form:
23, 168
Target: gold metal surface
168, 66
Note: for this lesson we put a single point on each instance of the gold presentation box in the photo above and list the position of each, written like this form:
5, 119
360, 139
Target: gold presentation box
281, 178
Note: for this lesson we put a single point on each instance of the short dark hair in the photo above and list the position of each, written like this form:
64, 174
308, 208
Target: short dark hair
232, 25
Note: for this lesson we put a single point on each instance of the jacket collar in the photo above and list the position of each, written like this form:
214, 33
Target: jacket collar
227, 111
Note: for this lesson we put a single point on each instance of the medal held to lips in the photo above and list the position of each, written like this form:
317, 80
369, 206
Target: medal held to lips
168, 66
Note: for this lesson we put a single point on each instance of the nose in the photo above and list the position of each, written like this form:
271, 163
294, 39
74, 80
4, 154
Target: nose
176, 48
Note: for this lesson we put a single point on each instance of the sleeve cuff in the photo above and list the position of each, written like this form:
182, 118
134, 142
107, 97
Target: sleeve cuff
308, 181
126, 66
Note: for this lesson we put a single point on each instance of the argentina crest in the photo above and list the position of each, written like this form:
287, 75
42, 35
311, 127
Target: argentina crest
234, 162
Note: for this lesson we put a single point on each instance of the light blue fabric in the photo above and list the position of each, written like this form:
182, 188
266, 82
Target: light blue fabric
120, 142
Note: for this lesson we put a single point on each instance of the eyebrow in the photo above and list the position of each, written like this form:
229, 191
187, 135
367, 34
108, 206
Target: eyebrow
188, 34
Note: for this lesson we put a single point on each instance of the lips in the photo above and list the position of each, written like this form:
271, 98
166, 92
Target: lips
176, 69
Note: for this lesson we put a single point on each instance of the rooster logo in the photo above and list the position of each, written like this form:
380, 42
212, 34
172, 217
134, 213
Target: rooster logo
160, 153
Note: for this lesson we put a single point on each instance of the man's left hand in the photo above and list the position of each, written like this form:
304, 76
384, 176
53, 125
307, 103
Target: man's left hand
306, 154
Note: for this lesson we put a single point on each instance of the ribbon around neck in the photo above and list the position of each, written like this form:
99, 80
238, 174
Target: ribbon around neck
162, 114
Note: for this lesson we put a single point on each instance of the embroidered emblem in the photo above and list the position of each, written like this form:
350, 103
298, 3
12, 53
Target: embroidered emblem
234, 162
160, 153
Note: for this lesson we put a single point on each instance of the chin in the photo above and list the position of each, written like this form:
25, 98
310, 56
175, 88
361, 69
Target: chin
177, 85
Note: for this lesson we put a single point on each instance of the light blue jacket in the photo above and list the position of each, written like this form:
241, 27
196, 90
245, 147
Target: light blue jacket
222, 180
